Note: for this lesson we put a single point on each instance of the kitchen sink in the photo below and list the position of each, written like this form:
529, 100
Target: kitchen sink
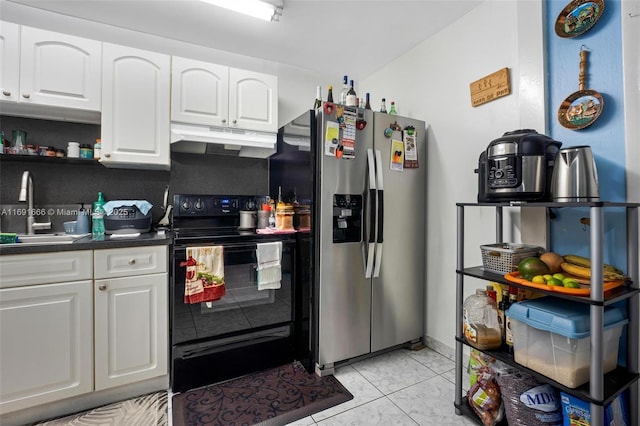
38, 239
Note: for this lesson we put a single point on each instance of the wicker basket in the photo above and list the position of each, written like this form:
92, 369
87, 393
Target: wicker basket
503, 258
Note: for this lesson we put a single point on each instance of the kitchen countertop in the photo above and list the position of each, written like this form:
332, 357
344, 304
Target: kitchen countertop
86, 243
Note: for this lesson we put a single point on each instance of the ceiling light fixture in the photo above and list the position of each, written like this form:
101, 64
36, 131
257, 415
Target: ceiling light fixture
256, 8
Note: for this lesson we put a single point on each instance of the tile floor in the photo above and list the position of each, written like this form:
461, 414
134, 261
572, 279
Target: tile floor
401, 387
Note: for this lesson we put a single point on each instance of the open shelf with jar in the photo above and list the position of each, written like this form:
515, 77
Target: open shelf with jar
602, 388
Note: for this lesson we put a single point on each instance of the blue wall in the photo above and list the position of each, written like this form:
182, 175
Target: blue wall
605, 135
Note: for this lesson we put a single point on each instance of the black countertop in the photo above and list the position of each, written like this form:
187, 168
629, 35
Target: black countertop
86, 243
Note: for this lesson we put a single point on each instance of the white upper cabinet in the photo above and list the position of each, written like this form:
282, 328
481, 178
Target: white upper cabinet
59, 70
135, 108
9, 60
199, 92
215, 95
253, 100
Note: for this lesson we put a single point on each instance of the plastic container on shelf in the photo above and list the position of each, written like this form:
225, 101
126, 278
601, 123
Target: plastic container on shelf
552, 336
481, 324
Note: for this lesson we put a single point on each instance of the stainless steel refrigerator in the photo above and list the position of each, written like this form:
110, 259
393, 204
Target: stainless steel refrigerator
368, 180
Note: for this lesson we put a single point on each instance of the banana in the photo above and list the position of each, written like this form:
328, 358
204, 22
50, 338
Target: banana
586, 262
585, 272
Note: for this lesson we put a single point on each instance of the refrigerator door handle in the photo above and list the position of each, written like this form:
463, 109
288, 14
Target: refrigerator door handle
369, 252
380, 215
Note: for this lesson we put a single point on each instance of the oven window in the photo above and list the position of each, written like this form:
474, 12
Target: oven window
243, 307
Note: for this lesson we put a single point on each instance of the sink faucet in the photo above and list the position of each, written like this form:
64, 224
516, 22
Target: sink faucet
26, 195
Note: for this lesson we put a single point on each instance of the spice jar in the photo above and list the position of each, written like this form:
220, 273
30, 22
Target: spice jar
86, 151
51, 151
60, 153
97, 149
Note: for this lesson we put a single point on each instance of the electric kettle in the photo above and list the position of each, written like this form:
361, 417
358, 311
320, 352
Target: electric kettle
575, 177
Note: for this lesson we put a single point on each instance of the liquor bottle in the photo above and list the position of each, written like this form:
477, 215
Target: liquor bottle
318, 102
392, 110
513, 298
502, 307
383, 106
330, 94
351, 96
344, 91
367, 105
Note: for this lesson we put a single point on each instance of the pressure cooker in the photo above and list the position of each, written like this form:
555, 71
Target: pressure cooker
517, 167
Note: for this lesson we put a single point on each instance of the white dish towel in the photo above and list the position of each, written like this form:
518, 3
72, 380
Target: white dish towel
269, 266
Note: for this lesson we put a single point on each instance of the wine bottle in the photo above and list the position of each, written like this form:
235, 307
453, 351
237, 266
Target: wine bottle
351, 96
392, 110
383, 106
367, 105
344, 91
318, 102
330, 94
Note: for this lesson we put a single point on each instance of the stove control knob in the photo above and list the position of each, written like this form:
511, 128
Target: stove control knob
199, 205
251, 204
186, 205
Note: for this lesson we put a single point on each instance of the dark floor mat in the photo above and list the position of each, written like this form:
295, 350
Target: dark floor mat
272, 397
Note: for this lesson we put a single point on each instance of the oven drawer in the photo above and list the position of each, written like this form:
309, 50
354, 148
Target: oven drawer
124, 262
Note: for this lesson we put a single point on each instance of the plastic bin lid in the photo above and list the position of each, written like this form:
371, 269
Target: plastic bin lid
564, 317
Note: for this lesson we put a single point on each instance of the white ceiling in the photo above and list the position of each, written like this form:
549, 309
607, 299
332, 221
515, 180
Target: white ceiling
357, 37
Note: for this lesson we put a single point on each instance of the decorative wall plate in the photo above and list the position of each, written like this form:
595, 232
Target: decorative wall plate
578, 17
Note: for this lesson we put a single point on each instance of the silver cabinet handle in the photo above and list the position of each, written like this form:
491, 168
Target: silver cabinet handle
235, 121
6, 93
102, 287
26, 95
107, 155
224, 120
132, 261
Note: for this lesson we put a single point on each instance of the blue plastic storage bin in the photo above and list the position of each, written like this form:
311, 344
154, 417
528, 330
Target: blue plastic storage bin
552, 336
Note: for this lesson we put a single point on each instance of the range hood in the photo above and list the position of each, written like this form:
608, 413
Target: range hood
198, 139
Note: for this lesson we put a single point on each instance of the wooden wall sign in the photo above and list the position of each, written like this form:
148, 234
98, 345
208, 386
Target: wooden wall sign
490, 87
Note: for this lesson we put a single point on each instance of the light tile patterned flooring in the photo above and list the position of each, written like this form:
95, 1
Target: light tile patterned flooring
402, 387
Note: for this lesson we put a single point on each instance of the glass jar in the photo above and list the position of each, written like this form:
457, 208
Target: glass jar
86, 151
480, 321
97, 149
60, 153
51, 151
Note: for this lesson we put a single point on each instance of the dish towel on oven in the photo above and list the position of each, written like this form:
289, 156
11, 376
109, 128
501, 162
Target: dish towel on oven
204, 275
269, 267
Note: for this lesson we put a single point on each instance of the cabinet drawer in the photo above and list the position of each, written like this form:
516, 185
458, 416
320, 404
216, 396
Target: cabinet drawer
43, 268
122, 262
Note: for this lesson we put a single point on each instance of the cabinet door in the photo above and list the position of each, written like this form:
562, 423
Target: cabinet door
46, 341
9, 60
135, 108
199, 92
59, 70
253, 100
131, 329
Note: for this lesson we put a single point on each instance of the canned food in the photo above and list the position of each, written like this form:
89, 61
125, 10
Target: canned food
86, 151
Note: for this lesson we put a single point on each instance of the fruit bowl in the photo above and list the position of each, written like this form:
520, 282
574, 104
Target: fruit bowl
583, 290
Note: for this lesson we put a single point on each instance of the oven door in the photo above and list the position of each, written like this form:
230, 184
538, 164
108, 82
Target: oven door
243, 308
246, 330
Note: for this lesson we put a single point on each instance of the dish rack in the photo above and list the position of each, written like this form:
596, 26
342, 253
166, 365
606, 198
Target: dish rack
503, 258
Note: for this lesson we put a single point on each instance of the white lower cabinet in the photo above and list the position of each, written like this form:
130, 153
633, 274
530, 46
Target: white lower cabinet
46, 330
131, 315
77, 322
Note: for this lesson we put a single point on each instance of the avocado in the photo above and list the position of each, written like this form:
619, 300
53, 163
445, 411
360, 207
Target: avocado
532, 266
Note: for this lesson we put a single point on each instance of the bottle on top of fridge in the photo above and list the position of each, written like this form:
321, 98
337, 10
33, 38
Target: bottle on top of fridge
383, 105
392, 110
330, 94
367, 105
345, 89
318, 102
481, 325
351, 96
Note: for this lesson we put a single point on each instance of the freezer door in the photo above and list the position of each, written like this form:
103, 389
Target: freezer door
344, 296
398, 289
